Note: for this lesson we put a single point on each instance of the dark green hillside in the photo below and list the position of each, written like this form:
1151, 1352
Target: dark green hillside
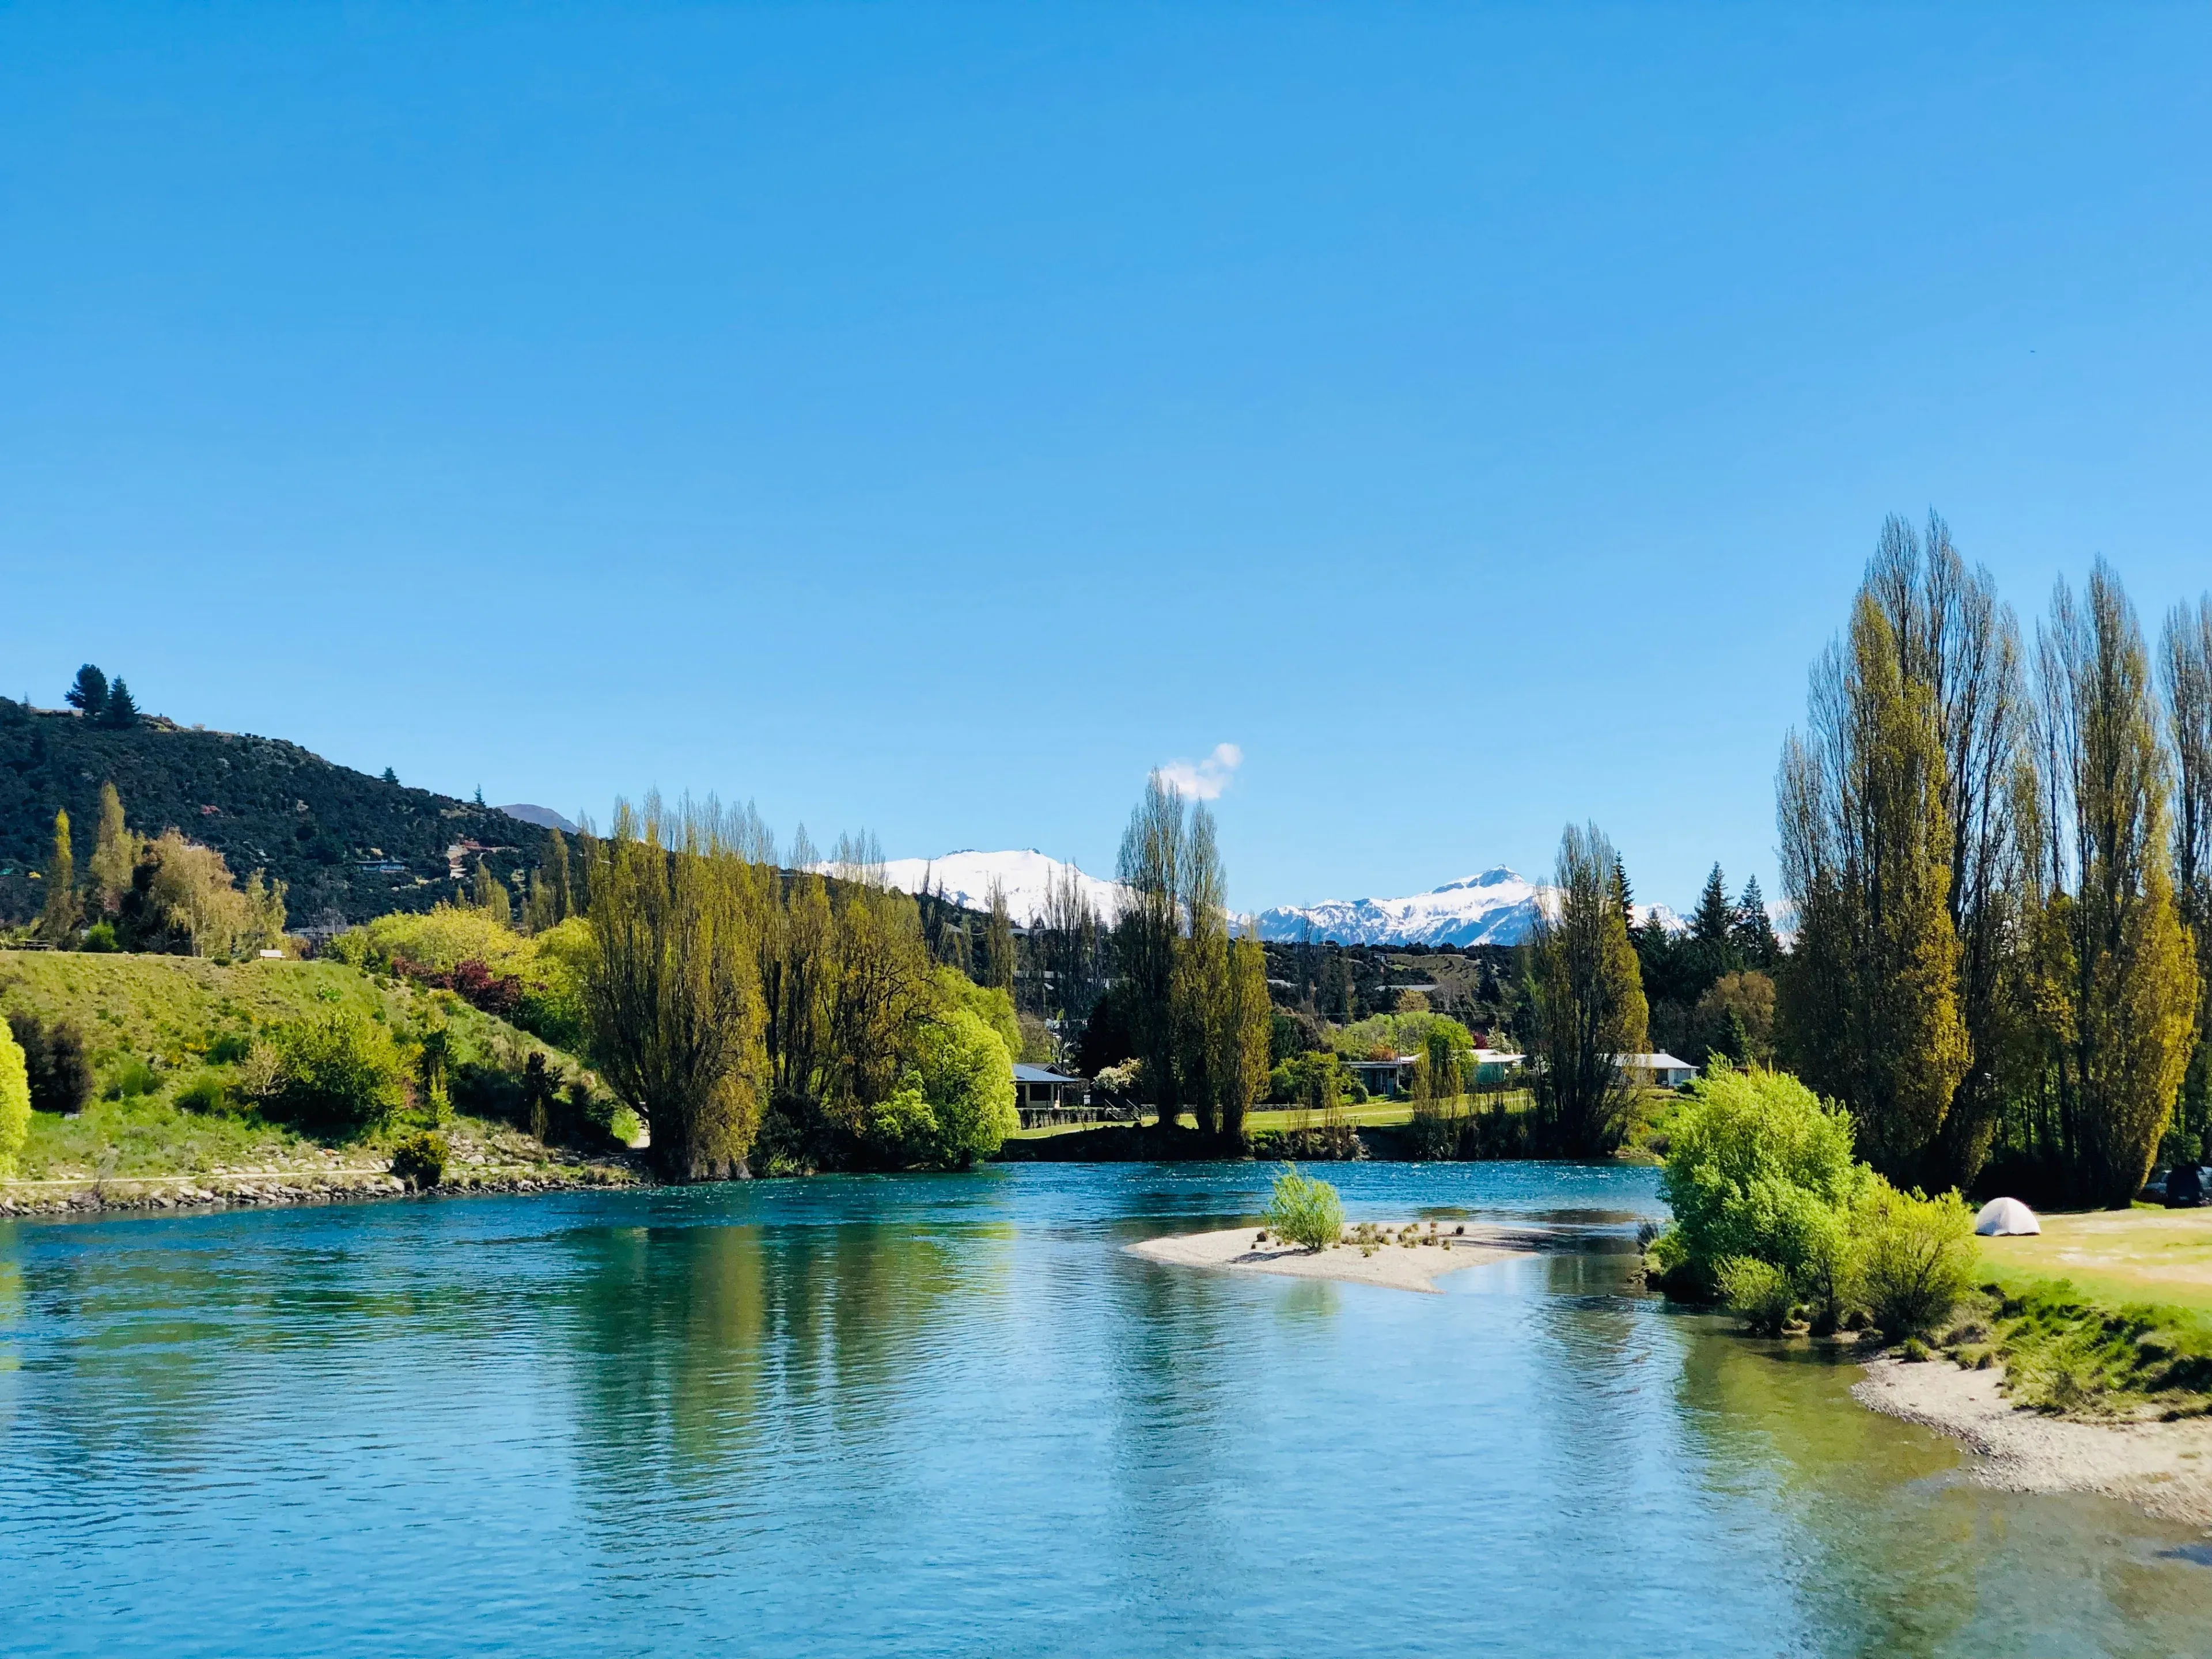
261, 802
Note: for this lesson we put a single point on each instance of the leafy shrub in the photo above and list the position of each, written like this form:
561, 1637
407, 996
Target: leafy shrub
420, 1160
1304, 1211
230, 1049
956, 1106
1757, 1166
134, 1078
14, 1103
1914, 1257
339, 1072
1758, 1293
99, 938
207, 1093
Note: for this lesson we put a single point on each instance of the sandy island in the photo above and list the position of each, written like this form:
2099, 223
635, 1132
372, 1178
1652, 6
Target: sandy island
1399, 1266
2164, 1468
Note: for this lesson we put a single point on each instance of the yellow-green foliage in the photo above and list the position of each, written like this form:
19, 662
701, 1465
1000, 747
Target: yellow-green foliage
14, 1101
440, 938
1756, 1167
202, 1030
550, 964
988, 1003
1304, 1211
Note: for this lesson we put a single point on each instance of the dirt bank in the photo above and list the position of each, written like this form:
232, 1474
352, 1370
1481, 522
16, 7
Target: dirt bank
2164, 1468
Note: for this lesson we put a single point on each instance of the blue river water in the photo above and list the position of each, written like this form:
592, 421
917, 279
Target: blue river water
951, 1415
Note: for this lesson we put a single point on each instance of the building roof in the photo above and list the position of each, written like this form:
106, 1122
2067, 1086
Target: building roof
1041, 1075
1660, 1062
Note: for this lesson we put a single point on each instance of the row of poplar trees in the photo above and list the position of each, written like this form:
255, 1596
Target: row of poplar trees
2001, 860
1195, 999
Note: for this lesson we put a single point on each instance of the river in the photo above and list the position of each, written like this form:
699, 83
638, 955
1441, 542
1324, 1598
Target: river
948, 1415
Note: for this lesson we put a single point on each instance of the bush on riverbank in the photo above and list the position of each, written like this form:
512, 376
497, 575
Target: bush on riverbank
1304, 1211
1759, 1170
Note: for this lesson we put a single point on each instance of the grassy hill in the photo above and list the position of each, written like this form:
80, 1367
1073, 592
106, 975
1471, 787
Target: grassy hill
154, 1025
328, 832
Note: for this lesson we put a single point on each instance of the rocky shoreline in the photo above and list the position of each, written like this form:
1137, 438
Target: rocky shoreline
276, 1188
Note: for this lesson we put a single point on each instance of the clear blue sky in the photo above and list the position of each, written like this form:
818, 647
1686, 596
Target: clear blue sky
930, 417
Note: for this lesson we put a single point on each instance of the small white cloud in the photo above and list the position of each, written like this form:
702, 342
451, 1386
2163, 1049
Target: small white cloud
1204, 779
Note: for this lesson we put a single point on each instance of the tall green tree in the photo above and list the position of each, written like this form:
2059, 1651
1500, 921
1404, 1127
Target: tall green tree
59, 918
1713, 922
1868, 1004
1206, 1039
1588, 996
1959, 644
115, 855
2109, 984
1248, 1026
672, 990
2185, 668
999, 945
1147, 935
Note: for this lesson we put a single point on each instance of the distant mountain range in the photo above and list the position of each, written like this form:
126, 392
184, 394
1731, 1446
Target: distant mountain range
1498, 907
543, 816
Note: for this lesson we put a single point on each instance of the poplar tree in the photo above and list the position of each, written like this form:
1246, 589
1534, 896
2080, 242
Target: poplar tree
555, 865
59, 918
2185, 670
1954, 639
2108, 988
1588, 1000
1869, 1001
1248, 1028
999, 943
1206, 1036
1152, 865
115, 854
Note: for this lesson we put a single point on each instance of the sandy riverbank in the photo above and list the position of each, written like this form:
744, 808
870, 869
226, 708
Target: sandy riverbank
2164, 1468
1398, 1267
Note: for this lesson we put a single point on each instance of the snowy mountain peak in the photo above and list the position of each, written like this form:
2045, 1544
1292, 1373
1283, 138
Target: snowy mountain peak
1498, 907
1023, 874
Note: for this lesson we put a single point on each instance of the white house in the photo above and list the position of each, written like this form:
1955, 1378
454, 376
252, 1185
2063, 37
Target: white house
1660, 1071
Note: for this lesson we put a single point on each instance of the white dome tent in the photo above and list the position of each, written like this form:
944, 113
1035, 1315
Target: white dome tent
2006, 1217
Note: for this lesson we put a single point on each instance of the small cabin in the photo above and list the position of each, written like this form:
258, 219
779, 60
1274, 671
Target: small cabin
1044, 1096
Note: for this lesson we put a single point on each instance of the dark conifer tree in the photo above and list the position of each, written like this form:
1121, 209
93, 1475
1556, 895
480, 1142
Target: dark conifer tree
88, 695
1715, 920
391, 776
121, 710
1753, 932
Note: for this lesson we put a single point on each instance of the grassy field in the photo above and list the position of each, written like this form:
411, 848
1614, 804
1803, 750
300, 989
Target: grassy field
165, 1014
2116, 1256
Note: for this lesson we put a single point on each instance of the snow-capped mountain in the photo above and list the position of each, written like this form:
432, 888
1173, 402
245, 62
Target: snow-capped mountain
1498, 907
1025, 876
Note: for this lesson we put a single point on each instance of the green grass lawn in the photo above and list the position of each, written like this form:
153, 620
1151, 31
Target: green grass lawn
2113, 1256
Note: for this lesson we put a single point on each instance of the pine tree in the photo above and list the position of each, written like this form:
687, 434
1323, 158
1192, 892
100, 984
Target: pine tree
1714, 921
1624, 896
391, 776
58, 919
121, 711
88, 695
1752, 930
